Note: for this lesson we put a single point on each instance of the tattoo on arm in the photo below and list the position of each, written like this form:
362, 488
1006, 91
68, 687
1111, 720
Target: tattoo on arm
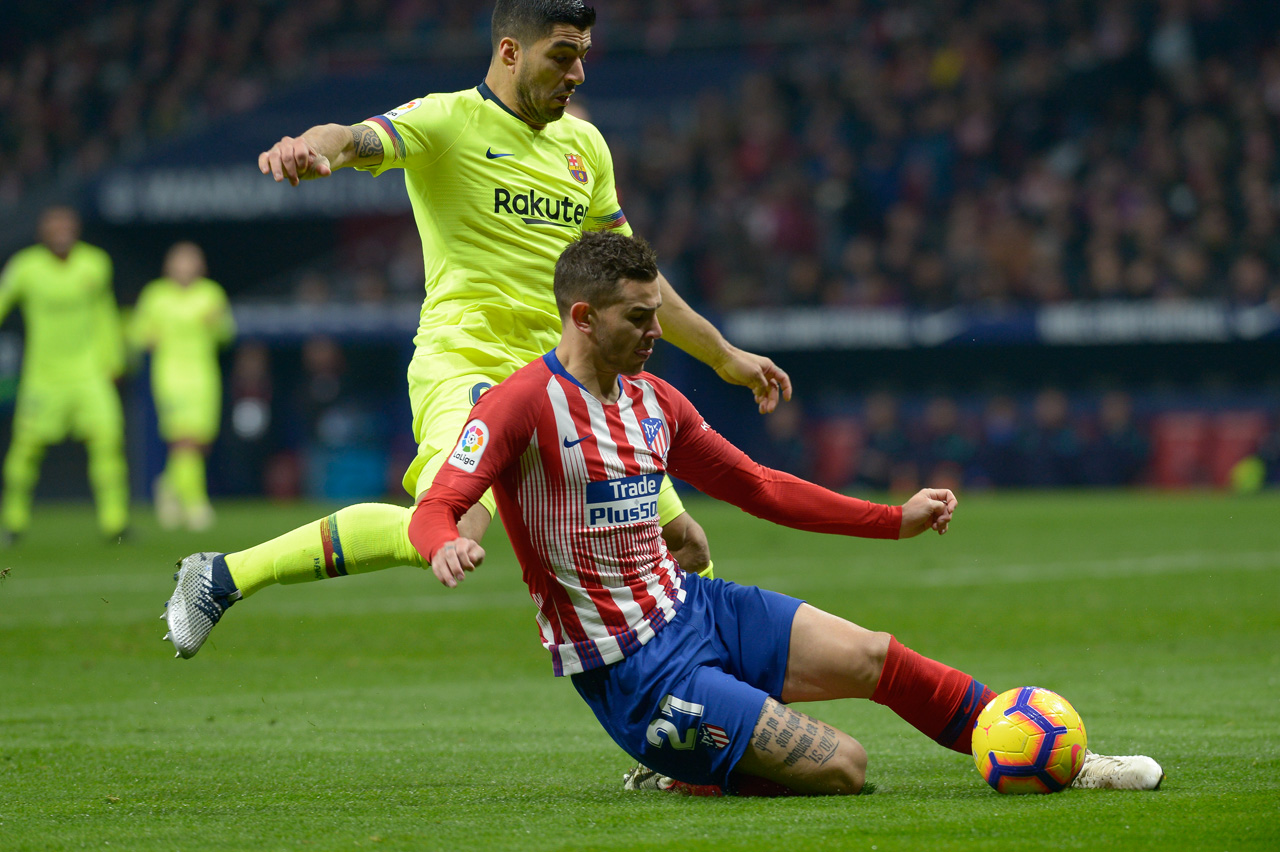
366, 142
796, 736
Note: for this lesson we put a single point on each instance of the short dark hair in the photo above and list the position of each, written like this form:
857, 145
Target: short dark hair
530, 20
590, 268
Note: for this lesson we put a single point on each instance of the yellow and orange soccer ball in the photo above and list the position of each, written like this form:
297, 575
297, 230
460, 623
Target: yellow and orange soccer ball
1029, 740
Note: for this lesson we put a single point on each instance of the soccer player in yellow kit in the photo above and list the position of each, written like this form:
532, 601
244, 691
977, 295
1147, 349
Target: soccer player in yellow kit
73, 354
183, 318
501, 181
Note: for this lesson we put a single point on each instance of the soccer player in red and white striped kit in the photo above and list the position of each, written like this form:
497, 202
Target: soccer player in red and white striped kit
690, 676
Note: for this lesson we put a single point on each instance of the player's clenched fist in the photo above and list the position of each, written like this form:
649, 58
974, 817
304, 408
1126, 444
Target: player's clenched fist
930, 508
293, 160
451, 562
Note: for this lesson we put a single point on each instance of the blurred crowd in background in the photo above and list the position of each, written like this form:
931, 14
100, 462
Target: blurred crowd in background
1008, 159
340, 438
1046, 439
916, 153
919, 153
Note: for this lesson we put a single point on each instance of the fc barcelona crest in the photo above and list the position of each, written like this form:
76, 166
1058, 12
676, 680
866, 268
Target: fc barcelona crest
577, 168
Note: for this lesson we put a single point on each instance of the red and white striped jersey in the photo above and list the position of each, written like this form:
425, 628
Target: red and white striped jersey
576, 482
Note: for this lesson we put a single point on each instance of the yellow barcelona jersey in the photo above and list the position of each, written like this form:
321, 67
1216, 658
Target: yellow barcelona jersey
183, 327
72, 323
496, 201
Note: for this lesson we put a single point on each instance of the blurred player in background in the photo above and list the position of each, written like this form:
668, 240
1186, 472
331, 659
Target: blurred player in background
690, 676
73, 354
500, 181
183, 318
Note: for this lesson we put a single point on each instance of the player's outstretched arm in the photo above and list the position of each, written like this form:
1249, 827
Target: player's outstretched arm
693, 333
930, 508
320, 151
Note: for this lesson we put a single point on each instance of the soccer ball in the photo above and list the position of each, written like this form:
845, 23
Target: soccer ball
1029, 740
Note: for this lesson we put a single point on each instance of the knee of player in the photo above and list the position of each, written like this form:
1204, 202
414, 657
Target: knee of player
848, 768
868, 655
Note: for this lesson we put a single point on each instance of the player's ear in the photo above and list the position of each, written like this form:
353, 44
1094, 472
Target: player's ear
581, 317
508, 51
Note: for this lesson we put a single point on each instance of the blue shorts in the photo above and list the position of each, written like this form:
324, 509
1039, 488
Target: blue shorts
686, 703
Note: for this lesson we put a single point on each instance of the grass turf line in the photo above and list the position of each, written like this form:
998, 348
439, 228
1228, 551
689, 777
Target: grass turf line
387, 712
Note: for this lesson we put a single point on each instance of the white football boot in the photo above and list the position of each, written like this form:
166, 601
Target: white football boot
196, 605
1127, 772
642, 777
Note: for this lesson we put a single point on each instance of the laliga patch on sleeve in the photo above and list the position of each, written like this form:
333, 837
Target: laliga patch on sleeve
466, 456
403, 108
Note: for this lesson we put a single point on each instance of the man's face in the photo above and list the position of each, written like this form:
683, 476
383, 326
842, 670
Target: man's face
59, 230
624, 333
185, 263
548, 71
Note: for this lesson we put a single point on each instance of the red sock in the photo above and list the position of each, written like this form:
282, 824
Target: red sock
746, 786
686, 789
938, 700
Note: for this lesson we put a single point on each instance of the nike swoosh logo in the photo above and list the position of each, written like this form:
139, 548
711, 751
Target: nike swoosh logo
570, 444
492, 156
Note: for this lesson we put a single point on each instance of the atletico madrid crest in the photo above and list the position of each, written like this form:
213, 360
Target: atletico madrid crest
577, 168
655, 435
714, 736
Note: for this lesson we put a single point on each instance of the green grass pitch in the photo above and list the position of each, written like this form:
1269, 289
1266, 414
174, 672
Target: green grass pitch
386, 712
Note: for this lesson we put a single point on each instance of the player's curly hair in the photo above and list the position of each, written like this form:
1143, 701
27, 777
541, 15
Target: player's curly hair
530, 20
590, 268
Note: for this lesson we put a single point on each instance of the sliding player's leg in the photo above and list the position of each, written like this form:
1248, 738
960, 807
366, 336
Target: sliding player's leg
722, 724
830, 658
687, 704
684, 536
768, 641
833, 658
801, 755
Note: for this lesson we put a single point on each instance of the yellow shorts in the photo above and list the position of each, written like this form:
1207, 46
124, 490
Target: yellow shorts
442, 390
87, 410
189, 411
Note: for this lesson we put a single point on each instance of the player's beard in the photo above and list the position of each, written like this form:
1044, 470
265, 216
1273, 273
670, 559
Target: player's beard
534, 108
622, 358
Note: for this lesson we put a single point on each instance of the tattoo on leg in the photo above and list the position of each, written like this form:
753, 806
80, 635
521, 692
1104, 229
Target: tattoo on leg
796, 736
366, 141
816, 744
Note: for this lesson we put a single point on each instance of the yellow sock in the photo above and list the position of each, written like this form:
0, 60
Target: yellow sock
708, 573
109, 478
21, 469
355, 540
185, 475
